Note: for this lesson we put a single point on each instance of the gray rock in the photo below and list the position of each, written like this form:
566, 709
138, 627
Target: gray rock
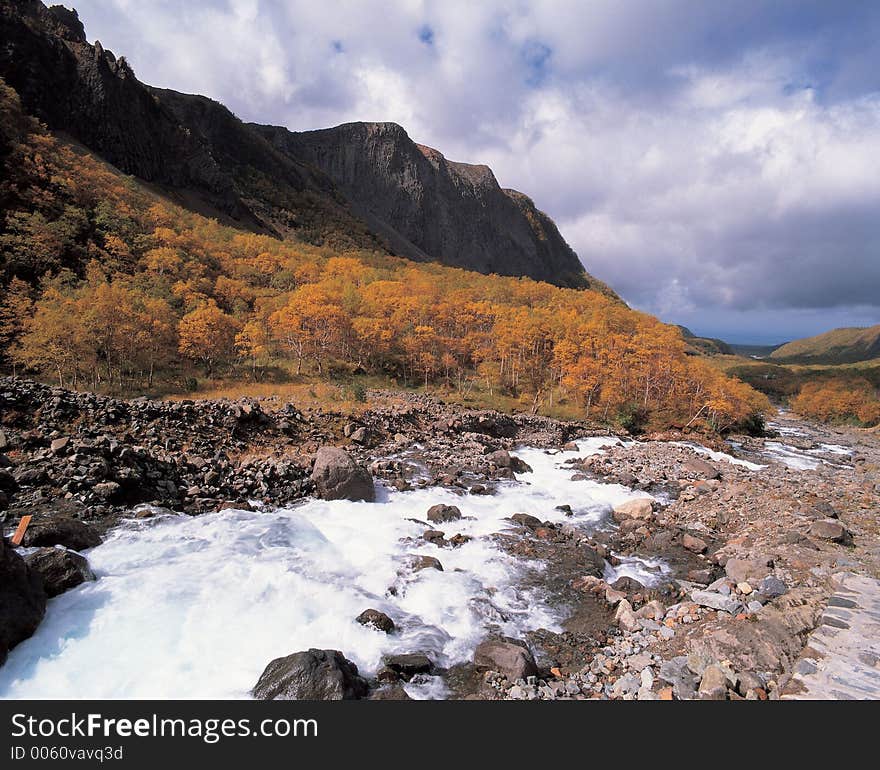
747, 570
60, 569
338, 477
311, 675
700, 468
376, 619
525, 520
22, 599
416, 563
70, 533
107, 490
716, 601
675, 671
628, 684
831, 529
408, 665
512, 659
438, 514
772, 587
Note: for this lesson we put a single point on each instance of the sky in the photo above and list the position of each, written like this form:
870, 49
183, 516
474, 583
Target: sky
715, 162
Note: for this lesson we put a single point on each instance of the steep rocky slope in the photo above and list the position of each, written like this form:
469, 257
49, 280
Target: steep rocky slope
362, 186
433, 208
187, 144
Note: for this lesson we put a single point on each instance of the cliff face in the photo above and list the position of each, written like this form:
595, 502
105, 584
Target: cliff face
360, 185
429, 207
188, 144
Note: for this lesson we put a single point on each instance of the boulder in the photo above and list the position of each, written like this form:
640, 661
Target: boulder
408, 665
716, 601
831, 529
628, 585
698, 467
311, 675
678, 674
624, 616
713, 685
508, 657
60, 569
338, 477
503, 459
71, 533
747, 570
22, 599
637, 508
108, 491
58, 446
437, 514
377, 620
525, 520
416, 563
695, 544
771, 587
7, 481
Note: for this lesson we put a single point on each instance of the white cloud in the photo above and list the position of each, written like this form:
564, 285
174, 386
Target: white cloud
697, 156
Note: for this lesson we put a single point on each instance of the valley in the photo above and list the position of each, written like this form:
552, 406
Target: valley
657, 568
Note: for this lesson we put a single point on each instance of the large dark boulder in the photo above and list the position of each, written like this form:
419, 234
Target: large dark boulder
507, 656
22, 599
60, 569
338, 477
311, 675
503, 459
440, 513
60, 530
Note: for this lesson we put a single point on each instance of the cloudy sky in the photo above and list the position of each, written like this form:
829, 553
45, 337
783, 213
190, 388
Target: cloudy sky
716, 162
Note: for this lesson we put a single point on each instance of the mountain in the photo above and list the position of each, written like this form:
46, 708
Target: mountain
362, 186
753, 351
839, 346
707, 346
429, 207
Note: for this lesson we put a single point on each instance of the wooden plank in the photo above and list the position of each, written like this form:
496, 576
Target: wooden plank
22, 528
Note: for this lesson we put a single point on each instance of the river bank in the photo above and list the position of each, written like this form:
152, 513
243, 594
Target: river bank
559, 564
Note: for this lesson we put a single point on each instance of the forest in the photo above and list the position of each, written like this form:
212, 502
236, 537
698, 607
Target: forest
107, 285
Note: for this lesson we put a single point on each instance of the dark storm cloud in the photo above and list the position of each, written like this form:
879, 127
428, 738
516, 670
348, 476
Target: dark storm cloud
713, 161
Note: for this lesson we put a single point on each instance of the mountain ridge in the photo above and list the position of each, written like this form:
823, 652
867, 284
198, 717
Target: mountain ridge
847, 345
202, 155
417, 196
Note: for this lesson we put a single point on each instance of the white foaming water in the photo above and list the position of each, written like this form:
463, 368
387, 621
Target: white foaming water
805, 459
719, 456
785, 430
195, 607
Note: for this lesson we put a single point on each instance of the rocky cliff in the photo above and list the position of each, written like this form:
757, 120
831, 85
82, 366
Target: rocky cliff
429, 207
361, 185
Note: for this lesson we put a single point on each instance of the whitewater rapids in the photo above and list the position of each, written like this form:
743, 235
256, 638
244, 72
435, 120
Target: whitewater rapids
195, 607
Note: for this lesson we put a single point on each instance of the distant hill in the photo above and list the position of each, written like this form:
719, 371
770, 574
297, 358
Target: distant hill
753, 351
839, 346
706, 346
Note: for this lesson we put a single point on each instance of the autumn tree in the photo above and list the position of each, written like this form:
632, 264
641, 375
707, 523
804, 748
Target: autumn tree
207, 335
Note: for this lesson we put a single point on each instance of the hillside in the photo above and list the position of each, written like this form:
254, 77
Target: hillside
839, 346
354, 187
706, 346
429, 207
110, 286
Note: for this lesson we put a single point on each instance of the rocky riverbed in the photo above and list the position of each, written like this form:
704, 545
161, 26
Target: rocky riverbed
451, 552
